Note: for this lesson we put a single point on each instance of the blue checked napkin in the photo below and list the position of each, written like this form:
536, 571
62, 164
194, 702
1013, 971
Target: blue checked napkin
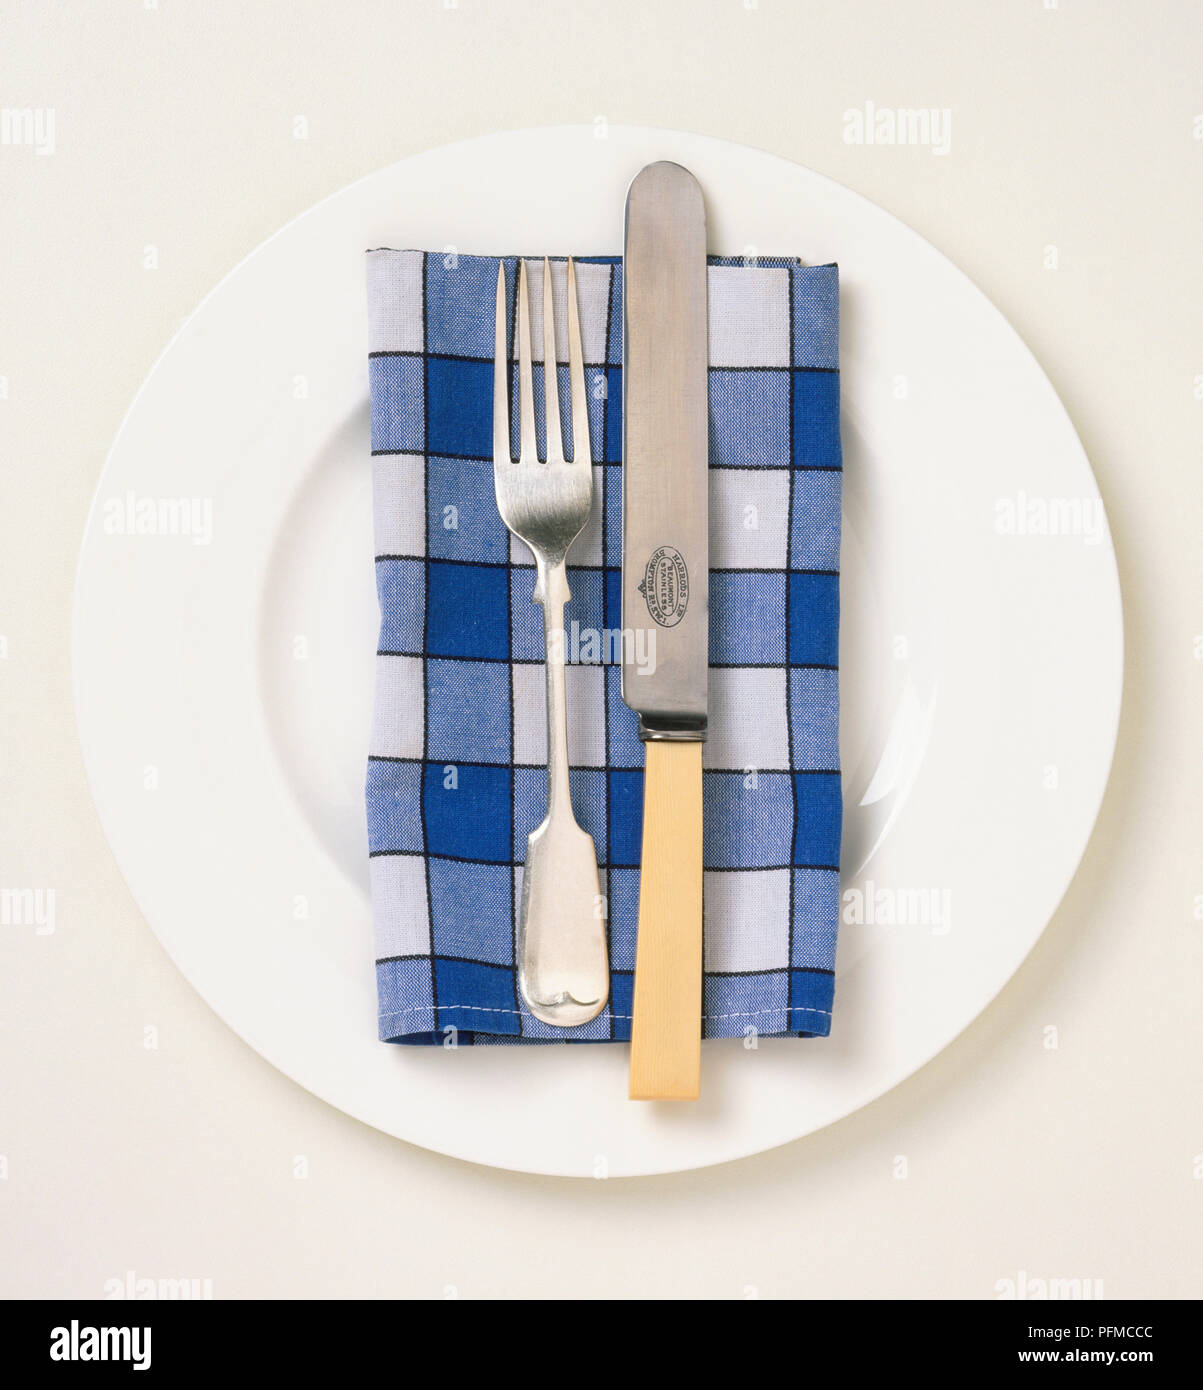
456, 777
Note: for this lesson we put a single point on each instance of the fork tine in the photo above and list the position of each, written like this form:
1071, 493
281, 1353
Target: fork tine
551, 380
576, 376
528, 449
501, 380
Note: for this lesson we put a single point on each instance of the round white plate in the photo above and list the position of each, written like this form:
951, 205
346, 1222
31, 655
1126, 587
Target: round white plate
225, 624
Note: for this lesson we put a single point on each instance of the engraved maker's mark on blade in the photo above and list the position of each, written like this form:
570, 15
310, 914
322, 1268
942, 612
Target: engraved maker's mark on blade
665, 585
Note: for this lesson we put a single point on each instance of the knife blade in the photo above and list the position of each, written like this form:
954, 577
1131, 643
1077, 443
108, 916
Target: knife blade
665, 600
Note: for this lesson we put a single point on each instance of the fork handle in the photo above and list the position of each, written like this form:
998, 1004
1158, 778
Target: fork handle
563, 965
666, 1030
551, 591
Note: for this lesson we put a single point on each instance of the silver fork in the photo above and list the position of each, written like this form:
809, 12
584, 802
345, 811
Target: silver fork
563, 970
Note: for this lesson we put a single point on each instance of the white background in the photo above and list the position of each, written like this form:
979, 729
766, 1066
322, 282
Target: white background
175, 128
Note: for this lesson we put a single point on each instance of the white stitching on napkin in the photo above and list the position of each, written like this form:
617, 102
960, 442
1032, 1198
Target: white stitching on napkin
706, 1018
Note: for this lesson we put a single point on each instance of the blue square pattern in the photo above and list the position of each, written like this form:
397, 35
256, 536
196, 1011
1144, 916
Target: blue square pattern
592, 801
461, 297
748, 820
814, 717
563, 397
405, 990
614, 584
816, 324
622, 992
471, 911
816, 407
811, 995
466, 811
747, 619
530, 806
596, 1030
614, 317
526, 617
584, 608
814, 619
624, 745
394, 798
596, 394
625, 794
398, 410
816, 915
463, 522
473, 995
613, 415
466, 612
740, 1005
587, 786
401, 589
612, 533
459, 407
814, 542
749, 419
468, 711
818, 808
623, 914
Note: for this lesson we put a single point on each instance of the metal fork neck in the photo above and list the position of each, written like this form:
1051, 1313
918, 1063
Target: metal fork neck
552, 592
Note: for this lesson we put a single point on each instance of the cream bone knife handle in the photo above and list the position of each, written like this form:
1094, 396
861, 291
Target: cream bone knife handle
666, 1031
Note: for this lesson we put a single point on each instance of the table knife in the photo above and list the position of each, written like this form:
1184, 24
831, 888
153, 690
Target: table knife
665, 584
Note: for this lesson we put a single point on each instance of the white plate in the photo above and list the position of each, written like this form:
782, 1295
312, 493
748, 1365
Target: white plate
223, 690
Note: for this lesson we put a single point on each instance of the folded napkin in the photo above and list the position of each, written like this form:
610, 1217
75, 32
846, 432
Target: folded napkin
456, 777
